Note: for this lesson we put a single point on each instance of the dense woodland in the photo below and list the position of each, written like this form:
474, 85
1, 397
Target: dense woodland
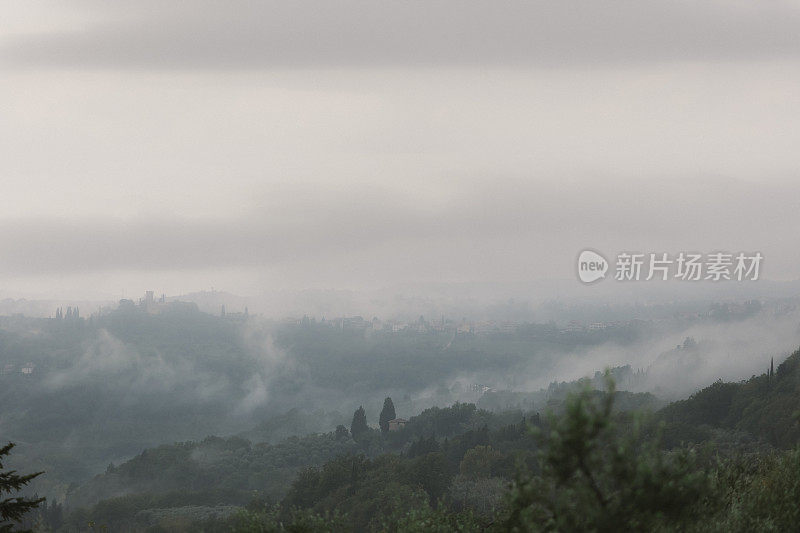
580, 456
708, 463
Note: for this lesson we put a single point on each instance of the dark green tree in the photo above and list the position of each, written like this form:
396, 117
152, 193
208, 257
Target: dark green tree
13, 508
359, 425
432, 473
617, 480
387, 413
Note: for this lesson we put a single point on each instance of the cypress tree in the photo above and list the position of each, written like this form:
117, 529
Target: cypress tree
387, 413
359, 425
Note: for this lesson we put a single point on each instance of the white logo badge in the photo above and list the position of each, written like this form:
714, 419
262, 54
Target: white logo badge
591, 266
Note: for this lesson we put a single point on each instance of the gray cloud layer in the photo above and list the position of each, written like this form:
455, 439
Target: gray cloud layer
378, 142
491, 231
253, 35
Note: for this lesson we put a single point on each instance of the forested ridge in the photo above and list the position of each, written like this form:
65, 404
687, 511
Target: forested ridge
724, 459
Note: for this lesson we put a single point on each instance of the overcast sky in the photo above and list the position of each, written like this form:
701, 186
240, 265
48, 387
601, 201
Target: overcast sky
250, 146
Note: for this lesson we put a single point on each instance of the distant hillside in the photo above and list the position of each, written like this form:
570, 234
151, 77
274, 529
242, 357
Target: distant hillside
765, 406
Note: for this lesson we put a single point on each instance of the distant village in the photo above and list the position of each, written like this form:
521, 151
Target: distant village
155, 306
446, 325
421, 325
717, 311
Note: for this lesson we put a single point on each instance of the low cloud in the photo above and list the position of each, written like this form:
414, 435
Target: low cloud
730, 351
135, 375
511, 230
